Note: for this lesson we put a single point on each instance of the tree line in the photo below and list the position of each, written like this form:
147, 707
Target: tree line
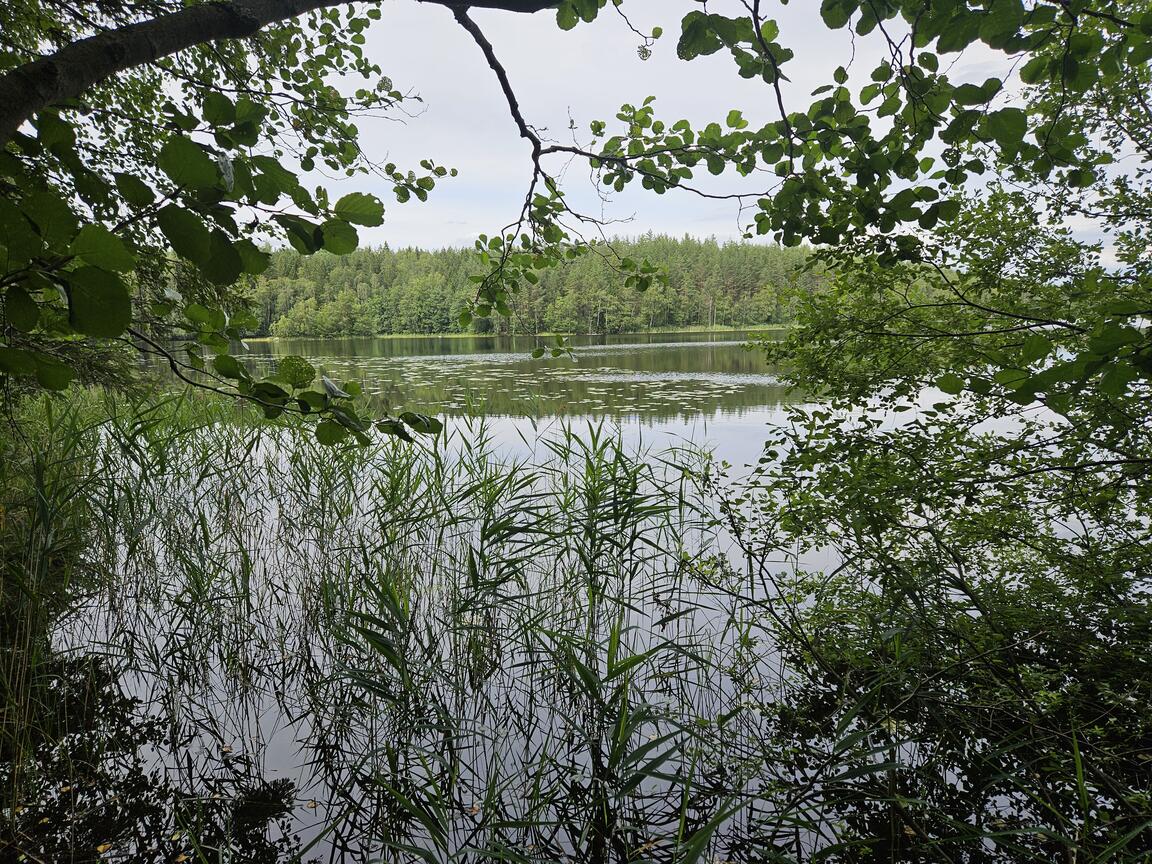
412, 290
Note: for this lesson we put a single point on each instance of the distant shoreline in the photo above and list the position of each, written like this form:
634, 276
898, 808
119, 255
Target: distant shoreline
702, 330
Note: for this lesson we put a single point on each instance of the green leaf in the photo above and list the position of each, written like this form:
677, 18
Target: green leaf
1115, 381
274, 178
1008, 126
360, 209
311, 402
254, 259
223, 265
836, 13
1035, 70
52, 217
295, 371
17, 361
950, 383
331, 433
187, 164
52, 374
566, 17
229, 367
134, 190
218, 109
55, 133
268, 391
422, 423
96, 245
696, 37
1013, 379
186, 232
98, 302
1001, 22
203, 317
1036, 347
340, 238
19, 243
301, 234
20, 310
394, 427
1111, 337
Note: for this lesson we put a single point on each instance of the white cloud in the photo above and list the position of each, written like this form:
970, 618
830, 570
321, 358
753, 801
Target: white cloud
559, 78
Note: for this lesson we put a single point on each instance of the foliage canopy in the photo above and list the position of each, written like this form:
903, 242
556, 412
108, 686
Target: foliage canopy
138, 191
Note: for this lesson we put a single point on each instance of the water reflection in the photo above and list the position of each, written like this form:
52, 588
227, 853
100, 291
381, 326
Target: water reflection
294, 652
656, 377
383, 655
97, 778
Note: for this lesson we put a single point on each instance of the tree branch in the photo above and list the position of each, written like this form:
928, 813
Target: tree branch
69, 72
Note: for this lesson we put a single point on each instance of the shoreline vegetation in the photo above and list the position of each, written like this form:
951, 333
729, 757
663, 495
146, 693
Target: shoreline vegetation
710, 286
617, 605
702, 330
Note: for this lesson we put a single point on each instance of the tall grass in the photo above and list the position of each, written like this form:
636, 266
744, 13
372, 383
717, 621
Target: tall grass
430, 653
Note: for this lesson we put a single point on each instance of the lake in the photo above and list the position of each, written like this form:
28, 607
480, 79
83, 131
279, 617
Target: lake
659, 389
525, 640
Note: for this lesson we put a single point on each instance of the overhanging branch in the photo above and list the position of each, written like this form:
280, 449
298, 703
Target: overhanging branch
69, 72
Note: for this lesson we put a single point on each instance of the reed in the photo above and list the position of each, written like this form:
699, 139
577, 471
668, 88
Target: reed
562, 651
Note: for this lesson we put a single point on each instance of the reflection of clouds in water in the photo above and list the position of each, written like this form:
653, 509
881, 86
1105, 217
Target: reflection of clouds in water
668, 378
720, 379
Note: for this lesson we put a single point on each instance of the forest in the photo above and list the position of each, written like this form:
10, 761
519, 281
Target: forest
373, 291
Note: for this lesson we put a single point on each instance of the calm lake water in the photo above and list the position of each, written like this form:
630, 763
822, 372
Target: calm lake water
283, 652
709, 389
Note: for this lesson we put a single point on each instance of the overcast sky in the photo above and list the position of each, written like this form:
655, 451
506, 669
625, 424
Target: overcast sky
582, 75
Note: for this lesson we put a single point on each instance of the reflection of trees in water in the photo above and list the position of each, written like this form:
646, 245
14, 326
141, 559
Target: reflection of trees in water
654, 379
89, 784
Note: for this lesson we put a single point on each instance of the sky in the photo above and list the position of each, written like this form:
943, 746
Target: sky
562, 78
565, 79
